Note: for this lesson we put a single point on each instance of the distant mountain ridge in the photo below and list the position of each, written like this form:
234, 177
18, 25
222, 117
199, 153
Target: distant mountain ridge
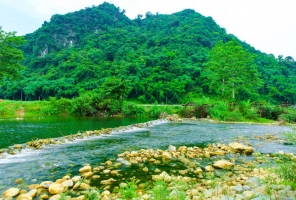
162, 57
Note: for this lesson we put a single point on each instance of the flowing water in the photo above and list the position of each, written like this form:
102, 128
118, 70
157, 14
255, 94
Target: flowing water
55, 161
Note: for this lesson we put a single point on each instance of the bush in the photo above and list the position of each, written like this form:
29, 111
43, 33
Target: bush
129, 191
82, 106
131, 109
57, 107
221, 111
287, 170
291, 117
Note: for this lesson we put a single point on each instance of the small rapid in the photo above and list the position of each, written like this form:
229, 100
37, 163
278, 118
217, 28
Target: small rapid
55, 161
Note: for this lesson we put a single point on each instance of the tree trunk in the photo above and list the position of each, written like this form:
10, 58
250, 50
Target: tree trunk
223, 85
233, 91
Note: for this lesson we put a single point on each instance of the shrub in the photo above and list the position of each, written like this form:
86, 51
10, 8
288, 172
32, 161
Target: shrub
291, 117
129, 191
82, 106
131, 109
220, 111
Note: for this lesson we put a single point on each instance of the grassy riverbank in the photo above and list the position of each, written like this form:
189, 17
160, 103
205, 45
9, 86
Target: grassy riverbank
244, 111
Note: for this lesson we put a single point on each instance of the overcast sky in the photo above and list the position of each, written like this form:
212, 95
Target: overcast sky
267, 25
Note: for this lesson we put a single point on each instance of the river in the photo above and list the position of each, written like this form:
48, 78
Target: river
55, 161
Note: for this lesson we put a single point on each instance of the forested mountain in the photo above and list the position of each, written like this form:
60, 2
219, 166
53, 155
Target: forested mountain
160, 58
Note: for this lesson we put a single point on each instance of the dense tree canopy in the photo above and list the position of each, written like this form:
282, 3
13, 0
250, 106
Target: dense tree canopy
10, 56
161, 57
231, 71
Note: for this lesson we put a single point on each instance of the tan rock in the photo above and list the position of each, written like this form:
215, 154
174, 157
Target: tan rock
223, 164
163, 176
145, 169
81, 197
56, 188
146, 197
186, 179
108, 162
85, 169
209, 168
108, 182
68, 183
66, 178
55, 197
248, 194
17, 146
241, 148
194, 192
46, 184
18, 181
207, 154
114, 172
44, 196
105, 193
106, 171
32, 193
166, 155
157, 170
23, 191
95, 176
217, 153
12, 192
84, 186
76, 178
24, 197
87, 174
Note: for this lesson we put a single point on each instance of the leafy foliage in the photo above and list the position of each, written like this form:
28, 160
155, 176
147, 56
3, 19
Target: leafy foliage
160, 58
231, 70
10, 55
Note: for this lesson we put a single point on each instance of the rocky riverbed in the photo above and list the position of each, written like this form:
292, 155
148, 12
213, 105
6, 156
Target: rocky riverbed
218, 171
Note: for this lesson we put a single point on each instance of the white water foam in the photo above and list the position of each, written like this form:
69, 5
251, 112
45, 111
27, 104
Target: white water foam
27, 154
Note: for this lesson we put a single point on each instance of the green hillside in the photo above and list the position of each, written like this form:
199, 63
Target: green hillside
153, 58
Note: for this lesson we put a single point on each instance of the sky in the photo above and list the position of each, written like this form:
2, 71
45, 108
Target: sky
267, 25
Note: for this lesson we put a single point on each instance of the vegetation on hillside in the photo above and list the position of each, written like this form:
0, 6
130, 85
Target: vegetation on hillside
157, 59
10, 55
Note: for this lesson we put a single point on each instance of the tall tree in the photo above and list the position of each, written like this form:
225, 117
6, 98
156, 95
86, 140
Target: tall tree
231, 70
10, 56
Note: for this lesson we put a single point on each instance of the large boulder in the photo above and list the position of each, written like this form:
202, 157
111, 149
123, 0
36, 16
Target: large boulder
24, 197
173, 118
32, 193
85, 169
253, 182
46, 184
223, 164
163, 176
241, 148
56, 188
12, 192
171, 148
68, 183
166, 155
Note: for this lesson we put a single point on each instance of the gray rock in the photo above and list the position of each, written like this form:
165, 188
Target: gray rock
208, 193
246, 187
239, 189
284, 198
288, 188
171, 148
253, 182
227, 198
261, 197
125, 162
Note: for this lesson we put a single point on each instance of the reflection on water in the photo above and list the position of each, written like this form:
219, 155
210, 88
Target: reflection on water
55, 161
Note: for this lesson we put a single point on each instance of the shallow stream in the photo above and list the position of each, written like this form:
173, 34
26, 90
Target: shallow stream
55, 161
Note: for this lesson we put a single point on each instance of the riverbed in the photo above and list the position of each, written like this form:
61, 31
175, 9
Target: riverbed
55, 161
